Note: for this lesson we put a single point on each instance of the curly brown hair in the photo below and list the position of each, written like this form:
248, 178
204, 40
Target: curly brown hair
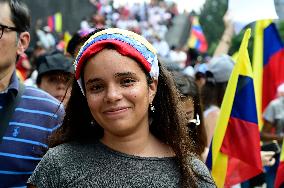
189, 90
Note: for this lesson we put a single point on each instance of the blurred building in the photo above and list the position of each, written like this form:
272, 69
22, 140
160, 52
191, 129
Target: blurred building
73, 11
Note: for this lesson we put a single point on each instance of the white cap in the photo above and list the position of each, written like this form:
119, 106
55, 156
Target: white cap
280, 90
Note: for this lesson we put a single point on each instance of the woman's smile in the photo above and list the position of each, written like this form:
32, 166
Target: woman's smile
116, 112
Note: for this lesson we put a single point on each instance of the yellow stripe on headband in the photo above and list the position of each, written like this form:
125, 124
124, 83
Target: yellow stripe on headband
130, 34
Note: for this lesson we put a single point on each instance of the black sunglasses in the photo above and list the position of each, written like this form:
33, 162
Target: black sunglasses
2, 27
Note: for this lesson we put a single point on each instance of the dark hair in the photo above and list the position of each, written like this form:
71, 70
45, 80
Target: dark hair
189, 89
212, 92
209, 91
221, 88
20, 14
73, 43
77, 40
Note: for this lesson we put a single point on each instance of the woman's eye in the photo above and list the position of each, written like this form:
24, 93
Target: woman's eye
95, 88
127, 82
190, 114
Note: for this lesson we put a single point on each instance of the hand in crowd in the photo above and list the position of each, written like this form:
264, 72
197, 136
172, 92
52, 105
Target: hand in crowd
225, 41
267, 158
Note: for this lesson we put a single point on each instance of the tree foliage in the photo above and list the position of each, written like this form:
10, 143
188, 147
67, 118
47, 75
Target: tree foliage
211, 21
280, 26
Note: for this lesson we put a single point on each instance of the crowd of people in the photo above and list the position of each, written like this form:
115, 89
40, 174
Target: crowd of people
108, 111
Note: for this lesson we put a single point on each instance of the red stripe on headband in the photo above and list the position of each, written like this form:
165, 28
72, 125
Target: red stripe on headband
122, 47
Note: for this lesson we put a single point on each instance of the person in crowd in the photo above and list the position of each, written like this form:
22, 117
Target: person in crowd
273, 129
46, 38
27, 115
226, 39
178, 56
55, 73
200, 76
274, 118
77, 40
191, 103
38, 51
212, 93
162, 46
129, 120
211, 108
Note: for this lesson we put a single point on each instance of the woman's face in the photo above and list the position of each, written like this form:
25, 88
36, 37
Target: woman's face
188, 107
117, 93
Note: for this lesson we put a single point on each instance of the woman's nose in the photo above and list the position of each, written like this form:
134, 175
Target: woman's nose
61, 86
113, 94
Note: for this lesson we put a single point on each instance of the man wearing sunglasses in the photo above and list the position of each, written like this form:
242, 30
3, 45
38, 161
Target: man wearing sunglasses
27, 115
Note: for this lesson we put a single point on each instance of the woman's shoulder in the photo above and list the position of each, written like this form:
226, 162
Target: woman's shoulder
205, 178
211, 111
199, 166
66, 149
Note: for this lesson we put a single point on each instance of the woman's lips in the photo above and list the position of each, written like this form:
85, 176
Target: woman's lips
116, 111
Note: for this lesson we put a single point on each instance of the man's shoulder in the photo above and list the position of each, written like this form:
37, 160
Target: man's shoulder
41, 99
276, 102
38, 93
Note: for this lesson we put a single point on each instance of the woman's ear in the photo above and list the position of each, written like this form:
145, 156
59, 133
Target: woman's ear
152, 90
23, 42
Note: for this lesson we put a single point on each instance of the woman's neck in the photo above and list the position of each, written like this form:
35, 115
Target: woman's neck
140, 144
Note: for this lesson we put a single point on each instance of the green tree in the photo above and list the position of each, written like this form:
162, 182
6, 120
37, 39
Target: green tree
211, 21
280, 26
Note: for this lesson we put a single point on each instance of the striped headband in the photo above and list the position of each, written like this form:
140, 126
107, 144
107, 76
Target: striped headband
127, 43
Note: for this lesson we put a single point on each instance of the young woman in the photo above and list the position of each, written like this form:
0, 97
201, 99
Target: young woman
123, 125
190, 98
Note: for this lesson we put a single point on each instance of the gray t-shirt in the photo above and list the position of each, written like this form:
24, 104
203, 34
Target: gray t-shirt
96, 165
274, 113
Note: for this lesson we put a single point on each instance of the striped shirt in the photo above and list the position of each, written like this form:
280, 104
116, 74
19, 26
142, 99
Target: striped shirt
25, 140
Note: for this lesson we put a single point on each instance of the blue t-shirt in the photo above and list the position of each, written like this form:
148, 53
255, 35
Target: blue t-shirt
25, 140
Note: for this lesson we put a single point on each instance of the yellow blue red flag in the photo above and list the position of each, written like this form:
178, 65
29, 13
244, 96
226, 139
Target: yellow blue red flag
268, 63
54, 22
234, 155
196, 38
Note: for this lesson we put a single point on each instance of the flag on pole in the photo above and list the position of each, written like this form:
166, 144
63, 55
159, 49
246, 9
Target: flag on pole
235, 150
279, 181
50, 23
268, 62
67, 37
58, 22
54, 22
196, 38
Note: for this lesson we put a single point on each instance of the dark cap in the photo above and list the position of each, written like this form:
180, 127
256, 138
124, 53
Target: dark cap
54, 62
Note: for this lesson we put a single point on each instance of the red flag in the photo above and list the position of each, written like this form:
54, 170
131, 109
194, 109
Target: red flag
51, 22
